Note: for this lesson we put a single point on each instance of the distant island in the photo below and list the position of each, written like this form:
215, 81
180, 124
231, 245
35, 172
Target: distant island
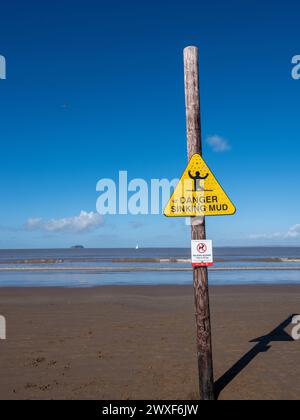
77, 247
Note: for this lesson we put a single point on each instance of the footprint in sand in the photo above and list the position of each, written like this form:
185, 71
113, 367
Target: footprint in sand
36, 362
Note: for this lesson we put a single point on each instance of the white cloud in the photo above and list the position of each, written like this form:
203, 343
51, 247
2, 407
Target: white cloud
84, 222
218, 144
292, 233
266, 235
34, 223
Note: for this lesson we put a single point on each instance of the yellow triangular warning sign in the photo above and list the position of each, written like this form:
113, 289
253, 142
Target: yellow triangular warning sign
198, 193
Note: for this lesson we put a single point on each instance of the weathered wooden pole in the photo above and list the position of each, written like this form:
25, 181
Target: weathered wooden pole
200, 274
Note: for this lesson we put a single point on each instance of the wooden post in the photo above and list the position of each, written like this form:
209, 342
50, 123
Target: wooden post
200, 274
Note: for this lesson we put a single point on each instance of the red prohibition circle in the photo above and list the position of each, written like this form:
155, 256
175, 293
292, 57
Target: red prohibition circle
201, 248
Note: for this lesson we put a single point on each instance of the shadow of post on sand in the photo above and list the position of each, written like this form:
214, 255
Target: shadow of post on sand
263, 345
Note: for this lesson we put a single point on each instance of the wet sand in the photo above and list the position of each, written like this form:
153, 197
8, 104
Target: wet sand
138, 342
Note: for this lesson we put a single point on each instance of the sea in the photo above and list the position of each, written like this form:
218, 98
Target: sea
81, 267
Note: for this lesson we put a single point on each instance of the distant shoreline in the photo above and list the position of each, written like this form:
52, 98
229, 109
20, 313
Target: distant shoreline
37, 261
143, 269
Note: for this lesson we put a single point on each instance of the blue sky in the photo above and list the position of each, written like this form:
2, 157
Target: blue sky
94, 87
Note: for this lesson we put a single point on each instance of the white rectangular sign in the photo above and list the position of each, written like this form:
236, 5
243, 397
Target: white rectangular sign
2, 328
202, 253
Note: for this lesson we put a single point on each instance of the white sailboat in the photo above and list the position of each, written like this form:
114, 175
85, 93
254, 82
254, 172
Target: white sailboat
137, 247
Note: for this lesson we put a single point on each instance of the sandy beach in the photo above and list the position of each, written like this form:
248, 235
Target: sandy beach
138, 342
